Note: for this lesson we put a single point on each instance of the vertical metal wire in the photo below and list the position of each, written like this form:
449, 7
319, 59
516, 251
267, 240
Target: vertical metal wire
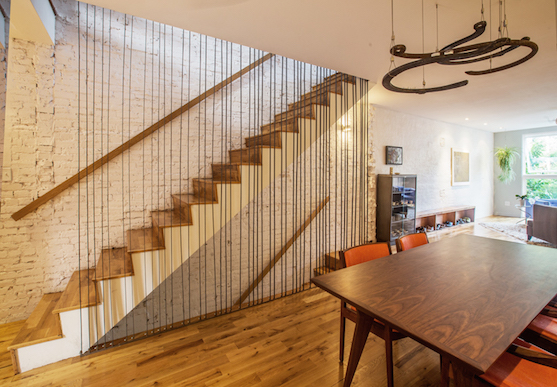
103, 322
86, 137
144, 108
93, 134
122, 133
181, 219
187, 173
129, 164
108, 139
79, 159
171, 146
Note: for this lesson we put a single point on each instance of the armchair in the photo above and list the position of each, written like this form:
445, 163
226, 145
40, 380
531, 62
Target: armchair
544, 223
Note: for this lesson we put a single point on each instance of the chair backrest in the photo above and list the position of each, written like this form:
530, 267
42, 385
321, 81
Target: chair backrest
410, 241
364, 253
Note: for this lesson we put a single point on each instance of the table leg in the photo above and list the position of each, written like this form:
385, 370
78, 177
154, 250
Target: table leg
445, 365
389, 355
363, 325
463, 377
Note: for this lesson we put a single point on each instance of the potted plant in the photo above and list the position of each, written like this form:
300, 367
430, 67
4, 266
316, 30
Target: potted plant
521, 199
506, 157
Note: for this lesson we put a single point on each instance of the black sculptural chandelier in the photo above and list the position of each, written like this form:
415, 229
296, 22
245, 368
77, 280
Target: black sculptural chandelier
453, 54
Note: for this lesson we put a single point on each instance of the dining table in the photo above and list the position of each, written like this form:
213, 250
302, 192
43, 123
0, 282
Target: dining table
465, 297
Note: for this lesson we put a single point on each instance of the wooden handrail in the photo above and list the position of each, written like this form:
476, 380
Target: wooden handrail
134, 140
282, 251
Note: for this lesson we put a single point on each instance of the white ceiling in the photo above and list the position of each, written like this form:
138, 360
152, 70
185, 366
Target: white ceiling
353, 36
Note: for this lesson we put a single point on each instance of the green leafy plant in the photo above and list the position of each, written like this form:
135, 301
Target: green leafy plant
521, 197
506, 157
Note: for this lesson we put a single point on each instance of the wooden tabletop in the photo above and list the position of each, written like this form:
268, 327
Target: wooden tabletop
465, 297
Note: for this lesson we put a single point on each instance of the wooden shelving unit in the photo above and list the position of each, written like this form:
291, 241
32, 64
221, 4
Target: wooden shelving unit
452, 214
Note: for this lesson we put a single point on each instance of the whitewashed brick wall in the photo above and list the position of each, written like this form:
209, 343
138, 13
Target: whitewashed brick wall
46, 142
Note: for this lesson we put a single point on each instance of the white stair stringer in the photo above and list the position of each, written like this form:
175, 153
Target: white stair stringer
119, 296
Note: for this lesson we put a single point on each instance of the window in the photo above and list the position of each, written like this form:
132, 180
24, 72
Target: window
540, 165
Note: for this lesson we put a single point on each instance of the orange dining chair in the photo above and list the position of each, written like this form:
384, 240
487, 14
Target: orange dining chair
410, 241
523, 365
542, 331
354, 256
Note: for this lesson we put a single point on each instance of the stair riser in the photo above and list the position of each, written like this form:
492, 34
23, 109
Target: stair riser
339, 76
270, 139
182, 210
226, 172
205, 190
251, 155
332, 86
321, 99
306, 112
283, 126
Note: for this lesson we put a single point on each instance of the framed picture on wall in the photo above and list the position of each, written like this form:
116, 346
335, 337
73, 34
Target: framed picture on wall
393, 155
460, 167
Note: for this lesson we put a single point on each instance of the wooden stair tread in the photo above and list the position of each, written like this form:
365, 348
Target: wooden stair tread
113, 263
81, 283
42, 325
147, 239
169, 218
191, 199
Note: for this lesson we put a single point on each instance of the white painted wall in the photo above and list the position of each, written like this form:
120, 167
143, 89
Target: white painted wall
427, 153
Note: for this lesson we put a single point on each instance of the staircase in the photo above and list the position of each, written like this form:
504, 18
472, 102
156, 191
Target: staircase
63, 324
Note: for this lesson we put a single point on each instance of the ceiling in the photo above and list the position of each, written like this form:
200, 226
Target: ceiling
353, 36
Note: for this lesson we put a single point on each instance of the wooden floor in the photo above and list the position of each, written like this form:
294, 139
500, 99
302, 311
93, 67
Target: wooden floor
287, 342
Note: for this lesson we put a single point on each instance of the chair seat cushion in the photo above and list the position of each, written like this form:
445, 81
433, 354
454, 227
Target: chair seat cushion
545, 326
512, 371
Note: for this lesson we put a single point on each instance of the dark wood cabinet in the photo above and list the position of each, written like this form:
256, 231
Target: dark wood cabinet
396, 206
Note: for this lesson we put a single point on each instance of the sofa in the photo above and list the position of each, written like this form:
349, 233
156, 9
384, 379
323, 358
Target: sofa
544, 223
529, 204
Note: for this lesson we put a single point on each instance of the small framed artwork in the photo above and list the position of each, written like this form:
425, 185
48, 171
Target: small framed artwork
460, 167
393, 155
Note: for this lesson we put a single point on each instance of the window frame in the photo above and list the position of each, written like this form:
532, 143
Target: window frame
525, 176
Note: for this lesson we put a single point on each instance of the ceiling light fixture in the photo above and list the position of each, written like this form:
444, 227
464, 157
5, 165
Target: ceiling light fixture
456, 54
